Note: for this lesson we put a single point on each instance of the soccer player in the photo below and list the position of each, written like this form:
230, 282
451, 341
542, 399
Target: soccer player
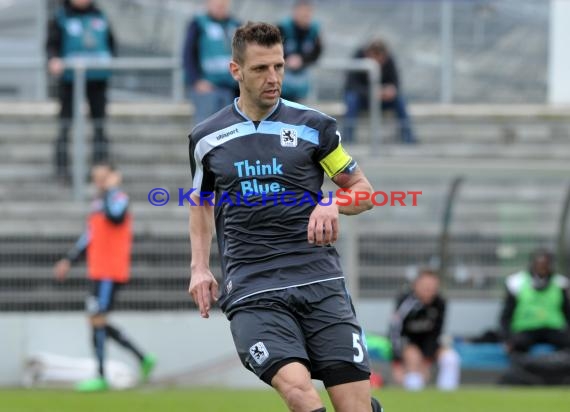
283, 290
107, 244
415, 330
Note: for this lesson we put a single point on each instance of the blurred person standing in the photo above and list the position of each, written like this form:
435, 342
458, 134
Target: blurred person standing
536, 306
356, 95
80, 29
206, 58
415, 332
302, 47
107, 246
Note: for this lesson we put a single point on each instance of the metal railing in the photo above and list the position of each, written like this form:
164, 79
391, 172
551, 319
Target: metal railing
372, 68
80, 66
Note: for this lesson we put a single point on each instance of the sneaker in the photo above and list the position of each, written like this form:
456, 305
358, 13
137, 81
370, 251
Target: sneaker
147, 365
92, 385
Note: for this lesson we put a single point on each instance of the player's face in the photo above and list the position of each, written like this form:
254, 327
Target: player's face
99, 176
81, 4
303, 14
426, 288
218, 9
262, 75
542, 266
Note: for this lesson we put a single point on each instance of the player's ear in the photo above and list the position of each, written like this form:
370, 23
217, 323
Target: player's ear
235, 71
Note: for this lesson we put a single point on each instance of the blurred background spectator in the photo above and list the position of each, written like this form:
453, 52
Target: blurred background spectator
536, 306
415, 330
79, 29
302, 46
389, 94
207, 54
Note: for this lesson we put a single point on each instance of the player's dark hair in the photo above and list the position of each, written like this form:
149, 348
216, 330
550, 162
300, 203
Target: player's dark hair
104, 163
427, 272
541, 253
377, 46
263, 34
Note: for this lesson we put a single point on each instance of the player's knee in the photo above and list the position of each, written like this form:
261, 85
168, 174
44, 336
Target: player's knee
299, 395
293, 382
412, 356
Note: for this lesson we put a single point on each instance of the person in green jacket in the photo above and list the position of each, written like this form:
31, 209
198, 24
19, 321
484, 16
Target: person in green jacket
536, 307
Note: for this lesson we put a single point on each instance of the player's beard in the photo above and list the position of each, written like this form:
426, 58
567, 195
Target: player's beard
264, 102
257, 97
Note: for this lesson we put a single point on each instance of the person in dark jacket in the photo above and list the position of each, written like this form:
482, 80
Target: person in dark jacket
302, 46
206, 58
390, 94
79, 29
415, 329
536, 308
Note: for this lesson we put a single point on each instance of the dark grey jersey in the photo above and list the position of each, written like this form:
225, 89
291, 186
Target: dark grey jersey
266, 178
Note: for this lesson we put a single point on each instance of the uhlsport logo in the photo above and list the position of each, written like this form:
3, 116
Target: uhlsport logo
259, 352
288, 138
226, 134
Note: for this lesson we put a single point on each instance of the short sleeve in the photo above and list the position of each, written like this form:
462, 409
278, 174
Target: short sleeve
331, 155
202, 178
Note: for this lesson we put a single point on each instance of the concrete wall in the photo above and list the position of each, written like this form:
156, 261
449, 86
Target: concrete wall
198, 351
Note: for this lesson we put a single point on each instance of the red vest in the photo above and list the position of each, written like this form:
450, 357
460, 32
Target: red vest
109, 250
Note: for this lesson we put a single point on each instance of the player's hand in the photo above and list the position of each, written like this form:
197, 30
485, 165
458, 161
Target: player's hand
61, 269
55, 66
203, 86
204, 290
323, 225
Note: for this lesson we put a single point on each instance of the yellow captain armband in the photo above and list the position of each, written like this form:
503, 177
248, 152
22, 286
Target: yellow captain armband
336, 161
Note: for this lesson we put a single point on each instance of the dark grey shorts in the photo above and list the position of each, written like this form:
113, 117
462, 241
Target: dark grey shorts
314, 324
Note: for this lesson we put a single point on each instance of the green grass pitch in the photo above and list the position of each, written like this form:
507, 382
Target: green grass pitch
220, 400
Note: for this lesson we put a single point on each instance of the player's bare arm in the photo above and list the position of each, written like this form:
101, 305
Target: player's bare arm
323, 222
357, 186
203, 286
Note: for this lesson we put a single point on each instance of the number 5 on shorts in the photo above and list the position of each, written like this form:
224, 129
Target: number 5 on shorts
359, 356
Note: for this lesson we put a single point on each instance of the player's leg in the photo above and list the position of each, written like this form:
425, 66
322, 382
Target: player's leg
521, 341
97, 98
352, 396
60, 147
205, 104
398, 372
99, 333
335, 345
147, 361
560, 338
270, 343
353, 103
97, 305
293, 382
414, 367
